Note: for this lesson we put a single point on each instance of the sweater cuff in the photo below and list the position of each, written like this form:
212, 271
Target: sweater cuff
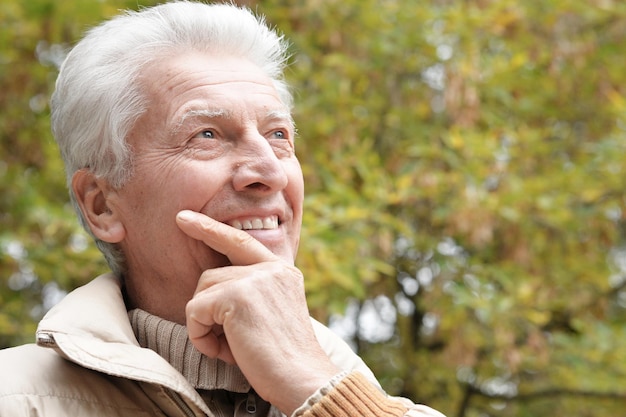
349, 395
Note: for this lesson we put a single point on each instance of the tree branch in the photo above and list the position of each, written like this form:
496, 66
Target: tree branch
550, 392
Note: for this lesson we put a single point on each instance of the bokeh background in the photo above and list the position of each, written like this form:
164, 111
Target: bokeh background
465, 166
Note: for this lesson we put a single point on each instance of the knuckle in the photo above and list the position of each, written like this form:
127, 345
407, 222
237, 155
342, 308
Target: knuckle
242, 239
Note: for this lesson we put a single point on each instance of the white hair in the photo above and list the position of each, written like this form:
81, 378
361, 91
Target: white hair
98, 98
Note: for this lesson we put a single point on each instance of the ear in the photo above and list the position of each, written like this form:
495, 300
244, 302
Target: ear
92, 195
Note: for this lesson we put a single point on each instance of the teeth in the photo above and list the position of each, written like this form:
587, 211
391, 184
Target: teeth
270, 223
256, 224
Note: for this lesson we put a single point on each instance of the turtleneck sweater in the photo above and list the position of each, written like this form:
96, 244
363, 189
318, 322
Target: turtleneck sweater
227, 393
222, 386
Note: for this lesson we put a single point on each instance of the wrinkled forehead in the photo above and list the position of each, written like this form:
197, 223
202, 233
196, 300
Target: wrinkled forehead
185, 68
195, 87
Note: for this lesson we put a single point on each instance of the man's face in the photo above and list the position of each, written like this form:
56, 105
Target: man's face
215, 139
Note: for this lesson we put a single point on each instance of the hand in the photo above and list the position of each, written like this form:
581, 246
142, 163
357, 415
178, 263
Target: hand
254, 314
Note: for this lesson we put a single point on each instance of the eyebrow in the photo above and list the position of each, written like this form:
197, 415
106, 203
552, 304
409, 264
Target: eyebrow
282, 115
225, 114
199, 113
205, 113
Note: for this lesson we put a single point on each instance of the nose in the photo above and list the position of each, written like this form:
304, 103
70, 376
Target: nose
257, 167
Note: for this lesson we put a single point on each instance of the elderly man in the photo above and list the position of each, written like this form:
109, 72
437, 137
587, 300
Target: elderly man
174, 124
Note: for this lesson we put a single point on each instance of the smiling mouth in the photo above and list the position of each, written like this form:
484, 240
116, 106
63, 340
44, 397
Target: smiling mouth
256, 223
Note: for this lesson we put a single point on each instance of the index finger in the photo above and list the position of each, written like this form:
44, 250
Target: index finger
238, 246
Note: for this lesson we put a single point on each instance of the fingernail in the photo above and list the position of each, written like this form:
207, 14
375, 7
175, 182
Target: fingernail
185, 215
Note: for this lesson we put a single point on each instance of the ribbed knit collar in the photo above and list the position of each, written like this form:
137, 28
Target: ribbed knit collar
170, 341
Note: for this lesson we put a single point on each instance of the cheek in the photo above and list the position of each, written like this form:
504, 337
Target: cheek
178, 184
294, 172
196, 185
150, 206
295, 195
296, 188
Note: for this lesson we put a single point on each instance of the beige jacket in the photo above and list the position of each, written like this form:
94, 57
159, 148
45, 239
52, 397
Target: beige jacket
87, 362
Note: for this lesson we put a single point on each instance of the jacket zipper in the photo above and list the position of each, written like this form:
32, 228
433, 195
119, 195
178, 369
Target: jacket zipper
251, 403
247, 407
180, 402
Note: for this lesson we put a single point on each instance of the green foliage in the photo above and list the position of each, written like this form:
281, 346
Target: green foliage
43, 251
463, 162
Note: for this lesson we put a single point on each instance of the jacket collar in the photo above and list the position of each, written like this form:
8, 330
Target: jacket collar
90, 327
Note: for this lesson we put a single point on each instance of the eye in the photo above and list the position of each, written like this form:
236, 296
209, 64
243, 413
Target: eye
279, 134
205, 134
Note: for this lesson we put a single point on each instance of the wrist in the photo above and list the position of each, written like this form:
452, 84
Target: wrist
319, 394
289, 396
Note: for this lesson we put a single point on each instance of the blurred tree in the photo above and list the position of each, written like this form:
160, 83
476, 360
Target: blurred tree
475, 148
464, 224
43, 251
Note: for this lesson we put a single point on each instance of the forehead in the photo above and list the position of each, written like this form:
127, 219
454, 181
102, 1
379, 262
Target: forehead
195, 70
193, 81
